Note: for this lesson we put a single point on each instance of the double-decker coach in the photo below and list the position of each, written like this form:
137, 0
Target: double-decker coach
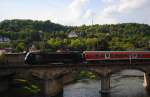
117, 56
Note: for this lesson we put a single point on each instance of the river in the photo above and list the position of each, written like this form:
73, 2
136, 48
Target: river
127, 83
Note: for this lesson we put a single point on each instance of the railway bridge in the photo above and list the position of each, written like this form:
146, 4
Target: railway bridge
50, 75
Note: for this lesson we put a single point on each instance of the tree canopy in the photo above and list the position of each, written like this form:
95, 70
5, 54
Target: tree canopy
125, 36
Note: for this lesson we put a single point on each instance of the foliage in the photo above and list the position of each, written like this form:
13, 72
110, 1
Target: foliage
20, 47
121, 44
27, 87
85, 75
2, 57
48, 35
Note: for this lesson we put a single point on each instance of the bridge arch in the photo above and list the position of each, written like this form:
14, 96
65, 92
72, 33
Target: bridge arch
96, 70
115, 70
143, 69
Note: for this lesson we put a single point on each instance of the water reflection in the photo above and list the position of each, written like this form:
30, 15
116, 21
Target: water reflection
128, 83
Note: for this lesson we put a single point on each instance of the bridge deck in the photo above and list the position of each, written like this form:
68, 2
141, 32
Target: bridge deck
55, 65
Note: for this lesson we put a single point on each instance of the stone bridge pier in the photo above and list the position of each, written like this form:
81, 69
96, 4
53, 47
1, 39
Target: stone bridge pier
52, 83
4, 84
105, 84
5, 79
105, 74
52, 87
147, 81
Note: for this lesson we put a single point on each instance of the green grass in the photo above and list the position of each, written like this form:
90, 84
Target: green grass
85, 75
22, 88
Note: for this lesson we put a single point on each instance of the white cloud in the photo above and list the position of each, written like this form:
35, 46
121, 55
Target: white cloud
105, 20
113, 10
76, 8
77, 13
124, 6
127, 5
108, 1
89, 14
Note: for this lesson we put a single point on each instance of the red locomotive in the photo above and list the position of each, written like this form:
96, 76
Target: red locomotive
116, 56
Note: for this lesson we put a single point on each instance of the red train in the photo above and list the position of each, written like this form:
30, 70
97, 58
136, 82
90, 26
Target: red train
117, 56
88, 56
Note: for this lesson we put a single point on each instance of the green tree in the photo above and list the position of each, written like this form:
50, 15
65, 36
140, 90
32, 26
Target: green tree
77, 44
20, 47
91, 43
54, 43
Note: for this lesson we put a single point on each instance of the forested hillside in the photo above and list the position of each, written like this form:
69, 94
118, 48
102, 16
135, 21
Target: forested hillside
48, 35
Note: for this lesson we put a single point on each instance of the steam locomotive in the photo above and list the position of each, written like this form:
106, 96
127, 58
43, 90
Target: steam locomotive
87, 56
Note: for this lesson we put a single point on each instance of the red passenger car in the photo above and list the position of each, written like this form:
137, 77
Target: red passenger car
117, 56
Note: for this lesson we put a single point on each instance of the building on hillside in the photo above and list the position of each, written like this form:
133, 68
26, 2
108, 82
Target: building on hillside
72, 35
6, 50
4, 39
33, 48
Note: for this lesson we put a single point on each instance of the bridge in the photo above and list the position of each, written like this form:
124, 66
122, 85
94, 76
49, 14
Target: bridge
50, 76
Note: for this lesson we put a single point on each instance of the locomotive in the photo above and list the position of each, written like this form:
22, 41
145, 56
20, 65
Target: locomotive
87, 56
41, 57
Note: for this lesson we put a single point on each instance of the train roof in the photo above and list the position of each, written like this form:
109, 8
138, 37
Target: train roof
116, 51
63, 52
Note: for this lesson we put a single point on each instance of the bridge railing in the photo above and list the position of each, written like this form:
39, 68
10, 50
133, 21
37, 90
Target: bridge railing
12, 58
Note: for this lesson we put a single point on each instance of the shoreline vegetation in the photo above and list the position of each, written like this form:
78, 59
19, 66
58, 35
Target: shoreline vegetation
24, 88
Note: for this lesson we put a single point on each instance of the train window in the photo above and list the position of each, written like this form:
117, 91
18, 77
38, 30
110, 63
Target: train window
102, 55
38, 57
140, 55
134, 56
124, 55
97, 55
119, 55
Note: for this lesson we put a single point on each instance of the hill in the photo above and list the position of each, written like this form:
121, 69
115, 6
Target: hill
125, 36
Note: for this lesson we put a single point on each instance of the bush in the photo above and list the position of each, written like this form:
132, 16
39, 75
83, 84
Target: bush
2, 57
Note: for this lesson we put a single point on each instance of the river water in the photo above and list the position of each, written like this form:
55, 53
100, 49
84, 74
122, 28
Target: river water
127, 83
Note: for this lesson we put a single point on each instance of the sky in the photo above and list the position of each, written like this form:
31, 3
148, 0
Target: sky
78, 12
